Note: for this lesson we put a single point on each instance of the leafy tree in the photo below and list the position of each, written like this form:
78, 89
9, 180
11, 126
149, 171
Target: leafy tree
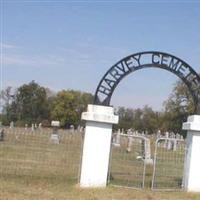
177, 107
125, 118
149, 120
139, 119
30, 103
67, 107
8, 107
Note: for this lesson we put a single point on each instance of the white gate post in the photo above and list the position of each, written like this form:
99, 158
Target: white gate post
192, 158
96, 148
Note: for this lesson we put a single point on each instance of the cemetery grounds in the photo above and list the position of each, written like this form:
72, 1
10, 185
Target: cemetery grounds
31, 167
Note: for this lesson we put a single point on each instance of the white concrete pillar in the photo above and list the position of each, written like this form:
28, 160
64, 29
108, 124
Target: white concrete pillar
192, 161
96, 148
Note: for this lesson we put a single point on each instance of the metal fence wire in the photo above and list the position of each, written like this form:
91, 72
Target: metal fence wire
26, 153
127, 166
168, 164
31, 155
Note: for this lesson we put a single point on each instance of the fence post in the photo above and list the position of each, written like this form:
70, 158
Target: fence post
192, 162
96, 147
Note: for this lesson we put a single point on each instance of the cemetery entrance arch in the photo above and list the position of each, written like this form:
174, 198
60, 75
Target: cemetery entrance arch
104, 91
148, 59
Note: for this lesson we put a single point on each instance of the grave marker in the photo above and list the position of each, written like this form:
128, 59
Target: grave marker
2, 134
147, 152
11, 125
54, 136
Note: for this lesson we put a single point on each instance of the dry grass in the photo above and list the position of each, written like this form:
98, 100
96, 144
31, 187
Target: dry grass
42, 190
31, 168
127, 170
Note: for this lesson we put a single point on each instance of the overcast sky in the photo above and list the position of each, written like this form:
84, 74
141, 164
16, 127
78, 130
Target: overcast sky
71, 44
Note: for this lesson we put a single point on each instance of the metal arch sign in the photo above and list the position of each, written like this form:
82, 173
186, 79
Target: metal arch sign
148, 59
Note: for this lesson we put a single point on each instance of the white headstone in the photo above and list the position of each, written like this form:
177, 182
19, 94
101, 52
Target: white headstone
78, 128
55, 123
71, 128
147, 152
158, 135
129, 132
169, 144
174, 145
55, 138
166, 141
12, 125
81, 129
116, 139
130, 141
40, 126
32, 127
26, 127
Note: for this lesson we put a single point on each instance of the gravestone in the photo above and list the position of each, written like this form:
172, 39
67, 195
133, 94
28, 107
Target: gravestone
11, 125
71, 129
32, 127
174, 145
116, 139
130, 142
2, 134
40, 126
26, 127
166, 141
182, 137
171, 142
178, 137
136, 133
129, 132
81, 129
54, 136
158, 135
169, 145
147, 152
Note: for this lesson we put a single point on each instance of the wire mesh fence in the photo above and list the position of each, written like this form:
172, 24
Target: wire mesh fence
127, 166
168, 164
32, 154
